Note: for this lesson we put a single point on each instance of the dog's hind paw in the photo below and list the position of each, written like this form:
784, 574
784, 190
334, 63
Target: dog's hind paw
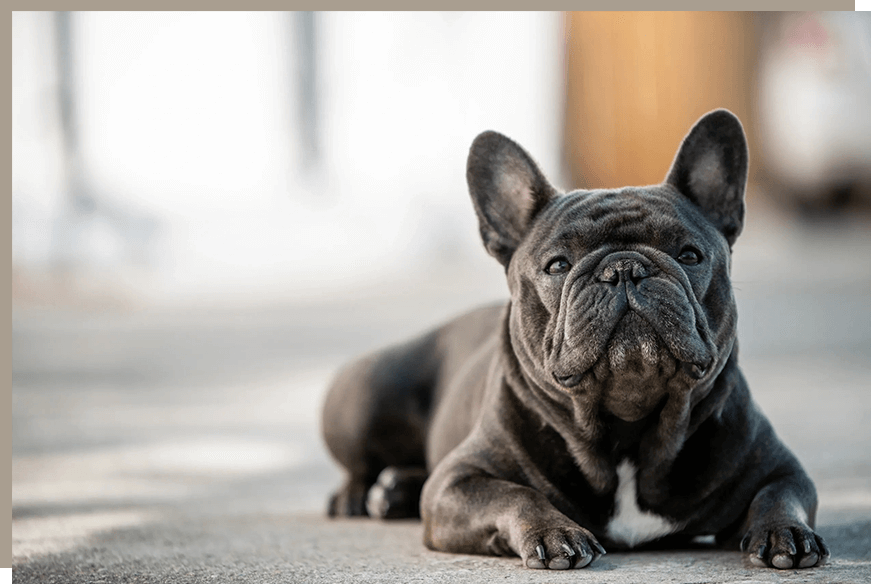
785, 547
349, 501
396, 493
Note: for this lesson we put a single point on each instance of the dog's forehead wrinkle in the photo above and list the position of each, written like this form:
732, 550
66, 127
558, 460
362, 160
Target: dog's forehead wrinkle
615, 218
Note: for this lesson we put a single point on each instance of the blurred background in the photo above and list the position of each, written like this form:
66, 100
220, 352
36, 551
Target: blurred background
164, 157
212, 211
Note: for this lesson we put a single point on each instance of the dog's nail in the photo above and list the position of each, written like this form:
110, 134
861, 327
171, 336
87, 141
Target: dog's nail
807, 546
599, 548
744, 543
823, 547
760, 553
568, 549
539, 549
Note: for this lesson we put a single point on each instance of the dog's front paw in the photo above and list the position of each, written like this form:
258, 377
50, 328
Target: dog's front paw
785, 547
560, 548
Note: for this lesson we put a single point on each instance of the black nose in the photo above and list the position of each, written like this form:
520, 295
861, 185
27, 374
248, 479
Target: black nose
623, 270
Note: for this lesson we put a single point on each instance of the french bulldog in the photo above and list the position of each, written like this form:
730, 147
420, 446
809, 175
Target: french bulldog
602, 406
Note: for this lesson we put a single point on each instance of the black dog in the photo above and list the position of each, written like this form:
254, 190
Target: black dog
604, 402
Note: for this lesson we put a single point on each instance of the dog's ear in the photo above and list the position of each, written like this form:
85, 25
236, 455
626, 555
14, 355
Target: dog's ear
711, 170
508, 191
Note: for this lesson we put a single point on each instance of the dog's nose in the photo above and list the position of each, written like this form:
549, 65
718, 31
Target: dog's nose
623, 270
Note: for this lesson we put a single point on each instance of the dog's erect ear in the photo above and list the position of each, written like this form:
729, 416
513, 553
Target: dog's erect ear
508, 191
711, 170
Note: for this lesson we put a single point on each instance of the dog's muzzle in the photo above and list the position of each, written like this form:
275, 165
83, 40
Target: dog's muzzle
635, 350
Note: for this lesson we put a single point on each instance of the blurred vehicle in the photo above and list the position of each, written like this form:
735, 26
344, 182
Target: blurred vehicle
814, 108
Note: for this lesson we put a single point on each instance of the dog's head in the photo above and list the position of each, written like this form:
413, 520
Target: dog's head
622, 295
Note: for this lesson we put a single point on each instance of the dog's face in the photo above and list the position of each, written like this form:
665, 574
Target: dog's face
622, 296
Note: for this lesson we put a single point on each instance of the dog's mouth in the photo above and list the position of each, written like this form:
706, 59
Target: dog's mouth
634, 354
692, 370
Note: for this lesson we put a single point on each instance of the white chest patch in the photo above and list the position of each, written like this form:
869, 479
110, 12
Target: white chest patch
629, 524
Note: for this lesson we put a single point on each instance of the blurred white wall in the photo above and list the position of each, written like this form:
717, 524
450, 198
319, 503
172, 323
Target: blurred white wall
191, 118
37, 173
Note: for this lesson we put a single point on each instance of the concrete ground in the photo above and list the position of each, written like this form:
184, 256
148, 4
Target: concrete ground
182, 444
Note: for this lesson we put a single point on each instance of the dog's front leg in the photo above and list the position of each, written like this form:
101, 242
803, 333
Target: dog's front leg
779, 525
466, 510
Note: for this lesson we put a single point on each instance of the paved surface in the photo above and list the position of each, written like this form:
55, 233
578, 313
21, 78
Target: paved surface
171, 445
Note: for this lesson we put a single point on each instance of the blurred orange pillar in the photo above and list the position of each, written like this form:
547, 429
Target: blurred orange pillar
636, 82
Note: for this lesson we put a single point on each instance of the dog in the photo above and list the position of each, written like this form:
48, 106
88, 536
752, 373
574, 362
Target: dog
603, 404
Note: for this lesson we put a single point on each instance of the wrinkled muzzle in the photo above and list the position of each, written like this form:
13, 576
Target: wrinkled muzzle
630, 322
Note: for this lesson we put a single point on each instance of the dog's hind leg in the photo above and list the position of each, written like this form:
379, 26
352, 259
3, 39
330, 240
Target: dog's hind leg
396, 493
349, 500
375, 416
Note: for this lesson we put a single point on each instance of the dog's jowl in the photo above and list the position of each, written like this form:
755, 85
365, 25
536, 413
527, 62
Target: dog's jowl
602, 406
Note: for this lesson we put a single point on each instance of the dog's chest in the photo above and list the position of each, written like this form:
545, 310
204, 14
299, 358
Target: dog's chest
629, 524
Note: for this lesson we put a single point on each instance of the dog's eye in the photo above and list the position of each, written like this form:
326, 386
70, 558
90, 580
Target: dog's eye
689, 256
558, 266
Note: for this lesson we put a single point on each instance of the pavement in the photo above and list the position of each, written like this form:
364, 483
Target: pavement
181, 444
